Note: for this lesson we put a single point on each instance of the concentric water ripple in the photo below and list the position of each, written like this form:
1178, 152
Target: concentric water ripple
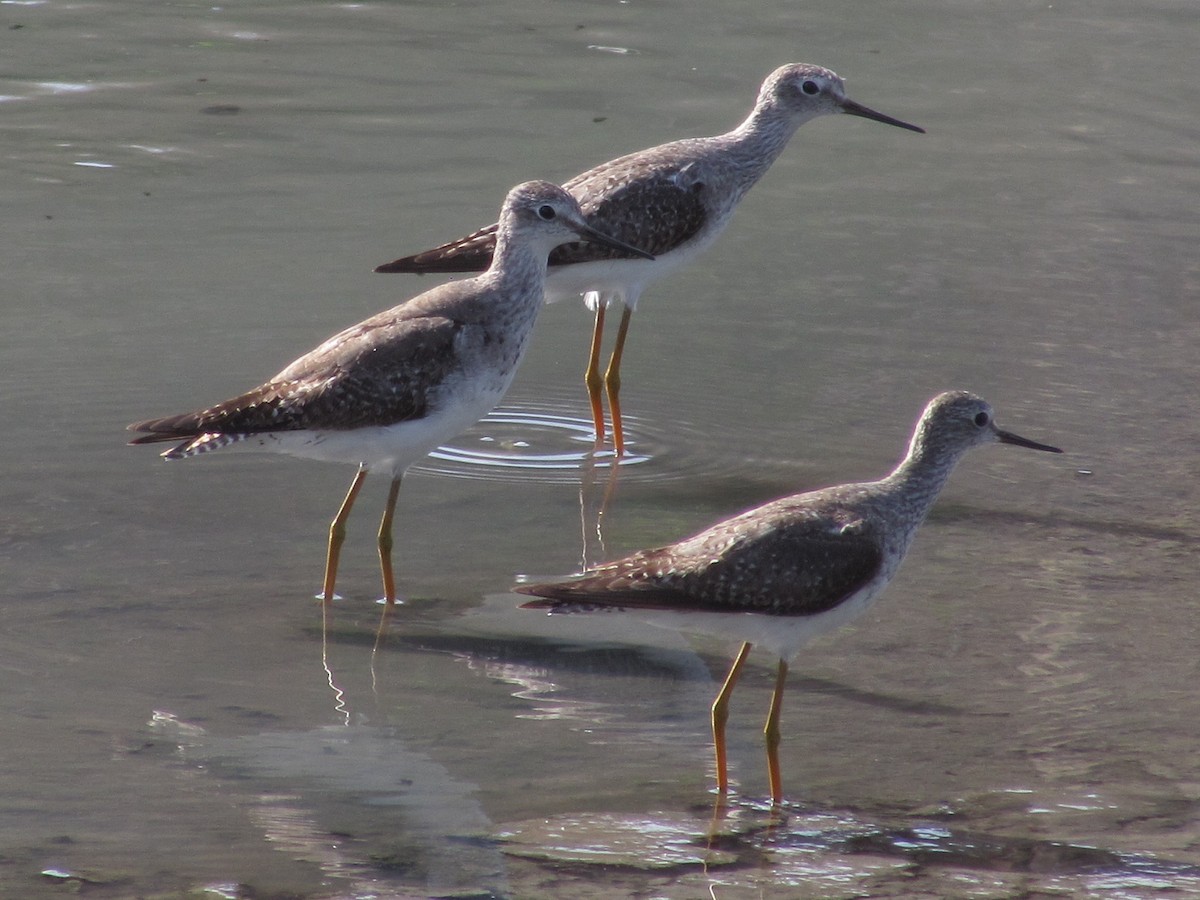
553, 442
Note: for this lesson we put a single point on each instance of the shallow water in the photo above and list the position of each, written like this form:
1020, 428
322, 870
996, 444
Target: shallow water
197, 194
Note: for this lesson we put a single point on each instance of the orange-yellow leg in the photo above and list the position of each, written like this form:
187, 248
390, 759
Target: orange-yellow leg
771, 733
385, 543
720, 715
591, 376
612, 383
337, 534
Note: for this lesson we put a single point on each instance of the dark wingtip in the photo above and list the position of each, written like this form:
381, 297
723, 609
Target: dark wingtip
431, 264
542, 594
158, 431
147, 435
396, 265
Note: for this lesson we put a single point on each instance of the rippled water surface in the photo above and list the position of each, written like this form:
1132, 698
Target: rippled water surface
196, 194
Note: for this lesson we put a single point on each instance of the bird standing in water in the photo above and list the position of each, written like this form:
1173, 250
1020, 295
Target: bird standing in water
673, 200
385, 392
794, 568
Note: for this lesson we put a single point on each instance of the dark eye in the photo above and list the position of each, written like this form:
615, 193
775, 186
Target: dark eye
811, 88
546, 212
981, 419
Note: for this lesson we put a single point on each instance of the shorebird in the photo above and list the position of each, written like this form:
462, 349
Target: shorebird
385, 392
783, 573
672, 200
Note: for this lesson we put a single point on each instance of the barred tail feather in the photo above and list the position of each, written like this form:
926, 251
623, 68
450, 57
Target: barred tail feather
191, 443
204, 443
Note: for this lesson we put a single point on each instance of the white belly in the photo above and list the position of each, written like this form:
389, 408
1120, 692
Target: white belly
783, 636
618, 280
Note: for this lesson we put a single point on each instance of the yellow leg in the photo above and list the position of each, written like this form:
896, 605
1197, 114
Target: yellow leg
720, 715
385, 543
337, 534
591, 376
771, 733
612, 383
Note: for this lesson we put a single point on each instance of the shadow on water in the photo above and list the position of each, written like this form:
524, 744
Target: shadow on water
742, 844
604, 659
374, 813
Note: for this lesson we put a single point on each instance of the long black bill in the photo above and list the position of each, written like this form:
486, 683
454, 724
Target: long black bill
591, 234
1007, 437
857, 109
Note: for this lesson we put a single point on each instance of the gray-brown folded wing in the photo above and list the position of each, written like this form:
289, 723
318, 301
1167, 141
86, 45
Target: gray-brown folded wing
801, 566
655, 208
378, 372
